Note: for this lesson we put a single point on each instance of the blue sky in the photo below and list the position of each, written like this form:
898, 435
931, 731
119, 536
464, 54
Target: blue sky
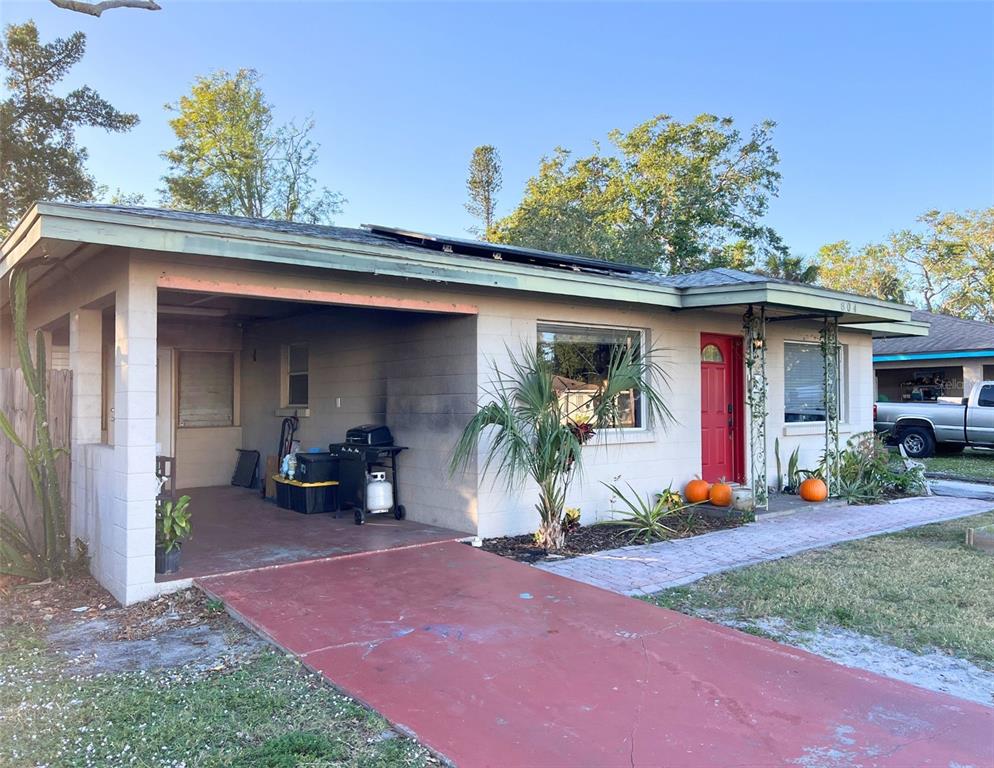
884, 110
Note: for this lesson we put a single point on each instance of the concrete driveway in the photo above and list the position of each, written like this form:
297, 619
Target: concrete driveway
493, 663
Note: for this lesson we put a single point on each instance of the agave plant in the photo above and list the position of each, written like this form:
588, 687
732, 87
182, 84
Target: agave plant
536, 433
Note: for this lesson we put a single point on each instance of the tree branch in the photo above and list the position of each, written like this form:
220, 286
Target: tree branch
95, 9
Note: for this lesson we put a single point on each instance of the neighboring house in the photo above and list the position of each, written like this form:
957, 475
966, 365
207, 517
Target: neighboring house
192, 335
954, 356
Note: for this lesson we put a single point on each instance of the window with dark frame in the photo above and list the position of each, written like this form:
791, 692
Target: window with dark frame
297, 375
579, 358
206, 389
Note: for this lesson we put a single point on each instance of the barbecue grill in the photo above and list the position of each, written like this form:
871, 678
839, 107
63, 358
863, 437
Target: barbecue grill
366, 448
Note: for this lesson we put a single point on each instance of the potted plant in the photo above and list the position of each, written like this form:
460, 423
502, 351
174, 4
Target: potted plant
172, 525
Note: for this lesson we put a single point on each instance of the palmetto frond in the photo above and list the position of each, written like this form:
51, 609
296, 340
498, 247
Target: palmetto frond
529, 430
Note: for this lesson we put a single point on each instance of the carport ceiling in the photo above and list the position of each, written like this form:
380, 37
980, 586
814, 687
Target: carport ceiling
188, 304
226, 308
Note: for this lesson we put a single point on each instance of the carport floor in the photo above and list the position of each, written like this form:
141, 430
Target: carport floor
490, 662
234, 529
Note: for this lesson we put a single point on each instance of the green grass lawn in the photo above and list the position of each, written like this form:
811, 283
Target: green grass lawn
971, 464
915, 589
264, 712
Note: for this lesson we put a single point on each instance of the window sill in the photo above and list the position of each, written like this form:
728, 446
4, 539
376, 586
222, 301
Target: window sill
301, 413
812, 428
635, 436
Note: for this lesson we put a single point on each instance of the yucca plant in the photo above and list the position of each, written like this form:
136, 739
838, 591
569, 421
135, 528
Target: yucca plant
535, 433
20, 553
648, 518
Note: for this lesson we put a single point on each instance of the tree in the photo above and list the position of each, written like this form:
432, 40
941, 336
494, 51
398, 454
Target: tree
483, 184
873, 270
963, 248
39, 156
231, 158
95, 9
670, 195
794, 268
533, 432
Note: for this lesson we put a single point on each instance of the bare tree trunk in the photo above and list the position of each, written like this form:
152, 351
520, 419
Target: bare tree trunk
95, 9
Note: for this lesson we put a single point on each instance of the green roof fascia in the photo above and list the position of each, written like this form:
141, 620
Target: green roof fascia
890, 330
800, 297
148, 233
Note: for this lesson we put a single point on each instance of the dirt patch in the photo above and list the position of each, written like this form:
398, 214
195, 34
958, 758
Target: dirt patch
596, 538
95, 646
83, 623
931, 669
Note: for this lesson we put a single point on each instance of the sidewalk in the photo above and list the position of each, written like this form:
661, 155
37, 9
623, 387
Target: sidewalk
646, 569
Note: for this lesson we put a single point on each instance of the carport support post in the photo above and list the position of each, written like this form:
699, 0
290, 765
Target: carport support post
756, 388
133, 535
830, 353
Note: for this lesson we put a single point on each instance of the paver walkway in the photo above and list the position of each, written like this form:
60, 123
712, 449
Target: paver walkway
491, 662
646, 569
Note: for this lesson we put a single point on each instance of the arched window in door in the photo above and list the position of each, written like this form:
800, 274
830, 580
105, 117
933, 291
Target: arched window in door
711, 354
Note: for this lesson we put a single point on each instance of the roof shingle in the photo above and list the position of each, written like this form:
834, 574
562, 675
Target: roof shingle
946, 334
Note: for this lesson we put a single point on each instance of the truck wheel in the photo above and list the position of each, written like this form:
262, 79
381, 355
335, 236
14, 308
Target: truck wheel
918, 442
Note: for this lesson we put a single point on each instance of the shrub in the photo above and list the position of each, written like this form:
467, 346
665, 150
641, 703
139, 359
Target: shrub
867, 476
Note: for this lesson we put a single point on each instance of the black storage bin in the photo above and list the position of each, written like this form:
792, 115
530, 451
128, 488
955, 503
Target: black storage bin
316, 467
283, 496
309, 501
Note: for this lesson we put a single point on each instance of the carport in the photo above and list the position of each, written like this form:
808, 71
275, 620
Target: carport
232, 368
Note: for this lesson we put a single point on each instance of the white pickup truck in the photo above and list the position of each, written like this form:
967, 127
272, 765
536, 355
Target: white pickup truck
926, 428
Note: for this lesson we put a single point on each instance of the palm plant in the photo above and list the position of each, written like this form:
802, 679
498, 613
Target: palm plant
538, 434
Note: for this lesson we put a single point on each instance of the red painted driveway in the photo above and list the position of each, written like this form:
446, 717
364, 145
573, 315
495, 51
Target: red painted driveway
494, 663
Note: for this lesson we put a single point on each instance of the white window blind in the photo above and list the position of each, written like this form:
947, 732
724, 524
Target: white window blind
206, 389
804, 382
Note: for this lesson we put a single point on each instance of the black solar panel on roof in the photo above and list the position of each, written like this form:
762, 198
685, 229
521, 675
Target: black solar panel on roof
501, 251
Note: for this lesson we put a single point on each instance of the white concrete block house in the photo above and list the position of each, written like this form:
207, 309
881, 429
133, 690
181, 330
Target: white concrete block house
192, 335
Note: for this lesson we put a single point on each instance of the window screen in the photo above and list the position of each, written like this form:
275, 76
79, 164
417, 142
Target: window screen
297, 378
580, 359
206, 389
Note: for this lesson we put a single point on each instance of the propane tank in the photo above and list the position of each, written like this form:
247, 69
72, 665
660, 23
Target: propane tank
379, 493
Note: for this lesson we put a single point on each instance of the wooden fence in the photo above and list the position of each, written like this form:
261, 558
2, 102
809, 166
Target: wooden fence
18, 406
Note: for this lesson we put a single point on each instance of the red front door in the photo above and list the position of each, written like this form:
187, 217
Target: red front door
721, 408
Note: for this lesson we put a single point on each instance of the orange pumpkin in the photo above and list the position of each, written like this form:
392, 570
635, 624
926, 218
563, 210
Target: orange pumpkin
721, 495
813, 489
697, 491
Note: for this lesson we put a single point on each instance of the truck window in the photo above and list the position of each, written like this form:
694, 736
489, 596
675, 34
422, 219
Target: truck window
986, 399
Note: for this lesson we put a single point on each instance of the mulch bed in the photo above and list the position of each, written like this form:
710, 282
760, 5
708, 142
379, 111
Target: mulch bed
595, 538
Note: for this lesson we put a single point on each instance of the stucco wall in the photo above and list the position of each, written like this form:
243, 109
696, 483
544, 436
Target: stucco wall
670, 454
411, 371
347, 358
